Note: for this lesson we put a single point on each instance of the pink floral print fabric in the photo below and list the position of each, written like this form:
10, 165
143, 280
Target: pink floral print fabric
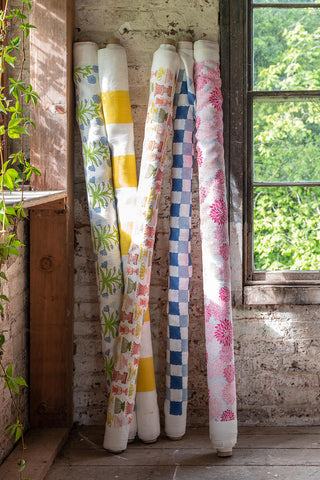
215, 247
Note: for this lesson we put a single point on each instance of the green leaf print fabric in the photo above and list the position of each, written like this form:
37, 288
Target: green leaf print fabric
100, 192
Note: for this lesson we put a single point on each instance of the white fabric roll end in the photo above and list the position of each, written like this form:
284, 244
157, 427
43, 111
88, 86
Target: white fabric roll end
206, 50
116, 438
113, 68
166, 57
185, 47
84, 53
133, 428
175, 425
148, 418
223, 435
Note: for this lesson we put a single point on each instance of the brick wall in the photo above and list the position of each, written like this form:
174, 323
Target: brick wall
15, 328
277, 349
14, 323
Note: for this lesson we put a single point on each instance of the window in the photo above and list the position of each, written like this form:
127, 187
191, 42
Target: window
270, 70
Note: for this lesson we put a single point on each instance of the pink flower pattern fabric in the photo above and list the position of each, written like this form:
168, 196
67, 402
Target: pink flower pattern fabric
137, 280
215, 247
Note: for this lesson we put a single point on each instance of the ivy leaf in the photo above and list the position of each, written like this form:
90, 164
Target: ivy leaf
20, 381
22, 463
3, 275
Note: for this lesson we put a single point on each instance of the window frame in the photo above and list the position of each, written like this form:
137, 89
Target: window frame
249, 286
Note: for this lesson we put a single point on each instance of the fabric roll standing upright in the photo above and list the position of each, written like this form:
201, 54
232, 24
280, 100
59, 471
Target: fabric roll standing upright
215, 248
113, 73
180, 268
137, 283
100, 193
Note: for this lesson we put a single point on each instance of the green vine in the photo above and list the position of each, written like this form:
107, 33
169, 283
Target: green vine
15, 170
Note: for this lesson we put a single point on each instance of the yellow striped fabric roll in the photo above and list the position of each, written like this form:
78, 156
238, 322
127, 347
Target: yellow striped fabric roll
113, 73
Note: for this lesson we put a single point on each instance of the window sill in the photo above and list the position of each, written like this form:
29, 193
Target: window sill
34, 198
281, 295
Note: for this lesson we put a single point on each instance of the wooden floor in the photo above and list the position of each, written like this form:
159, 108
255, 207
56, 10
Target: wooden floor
288, 453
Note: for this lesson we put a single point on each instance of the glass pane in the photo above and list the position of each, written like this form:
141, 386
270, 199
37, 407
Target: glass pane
286, 228
286, 49
286, 140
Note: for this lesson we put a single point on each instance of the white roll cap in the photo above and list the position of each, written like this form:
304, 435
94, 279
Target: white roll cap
223, 435
84, 54
114, 58
206, 50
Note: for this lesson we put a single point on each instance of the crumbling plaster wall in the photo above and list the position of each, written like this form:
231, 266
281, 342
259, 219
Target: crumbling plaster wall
277, 348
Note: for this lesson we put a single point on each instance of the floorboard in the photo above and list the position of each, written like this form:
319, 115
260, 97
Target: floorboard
284, 453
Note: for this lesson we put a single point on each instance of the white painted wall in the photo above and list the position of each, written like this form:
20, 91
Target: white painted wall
277, 348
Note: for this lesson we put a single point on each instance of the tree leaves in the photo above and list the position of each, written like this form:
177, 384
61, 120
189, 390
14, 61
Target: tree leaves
286, 139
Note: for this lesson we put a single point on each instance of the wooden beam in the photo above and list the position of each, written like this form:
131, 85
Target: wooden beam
51, 307
51, 77
51, 225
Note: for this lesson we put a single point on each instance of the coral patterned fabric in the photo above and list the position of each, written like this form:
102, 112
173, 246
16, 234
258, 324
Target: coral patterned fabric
100, 193
137, 282
215, 246
113, 73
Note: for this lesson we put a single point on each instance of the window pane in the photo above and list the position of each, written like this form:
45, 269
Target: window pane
286, 49
286, 228
286, 140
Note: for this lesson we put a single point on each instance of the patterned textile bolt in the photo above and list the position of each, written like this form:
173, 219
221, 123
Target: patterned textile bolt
180, 268
137, 283
113, 73
101, 201
215, 247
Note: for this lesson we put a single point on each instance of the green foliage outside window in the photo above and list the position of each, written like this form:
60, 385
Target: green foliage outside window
286, 139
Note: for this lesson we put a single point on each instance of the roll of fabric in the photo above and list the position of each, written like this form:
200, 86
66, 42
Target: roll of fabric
101, 201
137, 283
215, 247
180, 268
147, 410
113, 73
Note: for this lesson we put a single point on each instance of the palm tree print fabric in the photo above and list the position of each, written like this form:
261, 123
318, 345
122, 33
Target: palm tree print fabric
113, 73
100, 193
215, 247
137, 282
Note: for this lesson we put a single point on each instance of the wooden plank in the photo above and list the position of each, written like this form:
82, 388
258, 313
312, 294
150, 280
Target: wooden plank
51, 78
51, 303
245, 473
183, 473
111, 473
91, 437
192, 456
51, 225
42, 447
287, 430
233, 38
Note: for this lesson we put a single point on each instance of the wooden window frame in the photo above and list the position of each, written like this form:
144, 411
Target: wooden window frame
263, 287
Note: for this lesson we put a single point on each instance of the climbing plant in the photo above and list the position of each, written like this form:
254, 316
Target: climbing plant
16, 95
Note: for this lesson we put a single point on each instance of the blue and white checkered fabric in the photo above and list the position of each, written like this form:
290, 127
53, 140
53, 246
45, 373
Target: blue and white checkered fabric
180, 268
